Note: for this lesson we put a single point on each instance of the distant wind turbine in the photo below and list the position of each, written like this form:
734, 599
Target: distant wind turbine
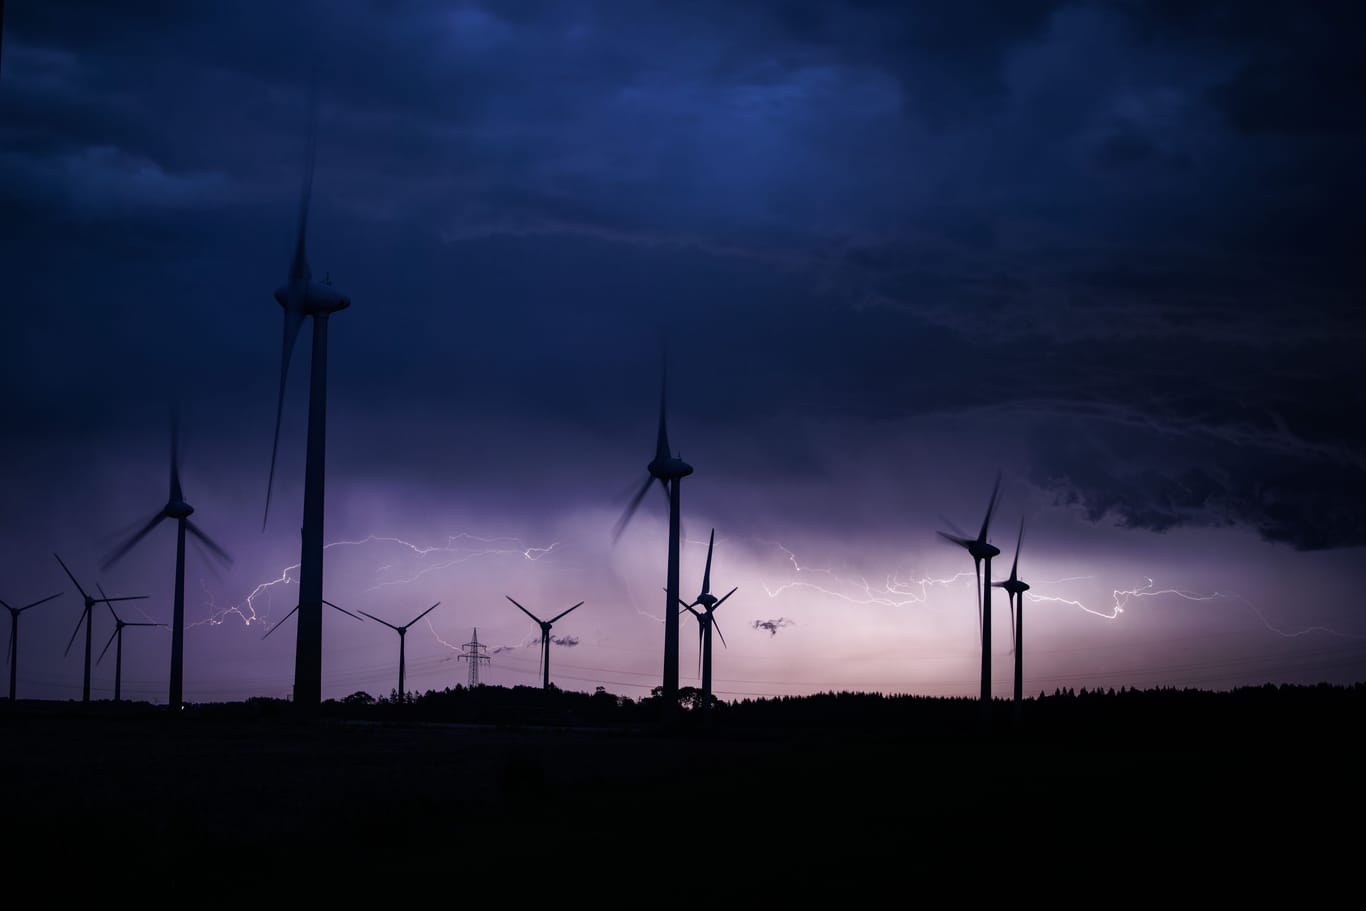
177, 509
981, 551
300, 297
402, 639
1015, 589
545, 626
87, 617
119, 625
12, 655
669, 471
706, 620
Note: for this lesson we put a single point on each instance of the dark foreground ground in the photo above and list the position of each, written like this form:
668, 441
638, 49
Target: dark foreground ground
234, 802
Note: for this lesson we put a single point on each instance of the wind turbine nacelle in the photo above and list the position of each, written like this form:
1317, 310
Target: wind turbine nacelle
706, 599
981, 550
318, 298
669, 468
178, 509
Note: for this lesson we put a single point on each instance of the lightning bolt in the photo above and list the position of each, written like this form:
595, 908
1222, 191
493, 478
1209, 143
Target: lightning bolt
457, 549
897, 590
1122, 597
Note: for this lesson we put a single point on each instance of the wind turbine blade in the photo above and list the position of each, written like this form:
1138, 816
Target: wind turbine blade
727, 595
977, 567
144, 624
125, 598
954, 539
294, 318
952, 526
991, 507
105, 598
345, 611
662, 440
122, 550
423, 614
36, 603
298, 267
571, 610
1011, 599
378, 620
282, 620
701, 630
175, 458
1018, 542
523, 609
9, 652
706, 573
208, 542
631, 509
71, 577
107, 644
85, 612
716, 626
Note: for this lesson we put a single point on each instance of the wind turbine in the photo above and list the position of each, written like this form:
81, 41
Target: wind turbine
12, 656
295, 608
119, 624
1015, 590
177, 509
86, 618
669, 471
300, 296
982, 551
545, 626
705, 622
402, 638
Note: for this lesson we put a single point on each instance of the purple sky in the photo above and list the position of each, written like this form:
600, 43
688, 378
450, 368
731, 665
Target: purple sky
1103, 248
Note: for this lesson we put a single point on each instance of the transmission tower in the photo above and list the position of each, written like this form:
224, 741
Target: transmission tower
474, 654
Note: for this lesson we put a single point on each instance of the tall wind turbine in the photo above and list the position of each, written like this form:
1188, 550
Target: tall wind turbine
669, 471
982, 551
177, 509
545, 626
12, 656
402, 639
87, 617
706, 621
300, 296
119, 625
1015, 589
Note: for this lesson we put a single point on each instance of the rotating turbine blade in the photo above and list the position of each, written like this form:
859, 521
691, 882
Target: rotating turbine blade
523, 609
122, 550
9, 652
991, 507
84, 614
701, 631
727, 595
1018, 542
105, 598
662, 452
1011, 599
955, 539
423, 614
107, 644
631, 509
36, 603
294, 318
378, 620
175, 458
571, 610
977, 568
706, 573
208, 542
344, 611
716, 626
71, 577
282, 620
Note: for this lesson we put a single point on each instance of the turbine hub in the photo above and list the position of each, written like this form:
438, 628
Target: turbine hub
706, 599
981, 550
178, 509
1015, 586
669, 468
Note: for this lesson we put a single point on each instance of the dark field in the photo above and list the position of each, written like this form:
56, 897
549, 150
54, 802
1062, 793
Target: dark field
1189, 789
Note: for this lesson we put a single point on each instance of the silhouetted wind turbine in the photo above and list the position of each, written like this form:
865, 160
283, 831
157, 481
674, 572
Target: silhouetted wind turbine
706, 620
982, 551
402, 638
669, 472
300, 296
87, 618
12, 655
545, 626
295, 608
1015, 590
176, 508
119, 624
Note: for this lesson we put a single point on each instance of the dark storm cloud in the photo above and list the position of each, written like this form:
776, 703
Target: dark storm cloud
772, 626
1145, 214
